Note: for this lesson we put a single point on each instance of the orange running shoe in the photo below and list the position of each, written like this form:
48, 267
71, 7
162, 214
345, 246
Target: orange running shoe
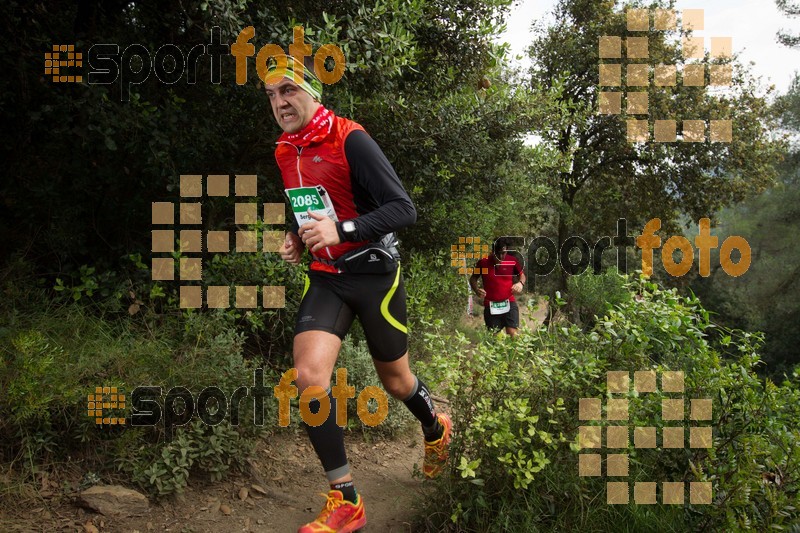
436, 452
338, 515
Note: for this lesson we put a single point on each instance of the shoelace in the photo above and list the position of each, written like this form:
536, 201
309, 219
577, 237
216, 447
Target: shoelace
436, 446
330, 506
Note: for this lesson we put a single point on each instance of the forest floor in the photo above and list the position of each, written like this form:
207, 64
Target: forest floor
277, 493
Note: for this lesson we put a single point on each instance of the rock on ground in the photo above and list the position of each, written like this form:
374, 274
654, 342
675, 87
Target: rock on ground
114, 500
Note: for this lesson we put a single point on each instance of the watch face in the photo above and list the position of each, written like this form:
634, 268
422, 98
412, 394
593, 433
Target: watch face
348, 226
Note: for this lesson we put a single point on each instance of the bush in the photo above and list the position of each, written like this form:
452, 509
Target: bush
592, 296
53, 358
435, 295
515, 409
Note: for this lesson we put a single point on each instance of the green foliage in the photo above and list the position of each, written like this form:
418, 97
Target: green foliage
198, 448
270, 331
434, 288
765, 297
515, 410
53, 358
601, 176
591, 295
411, 78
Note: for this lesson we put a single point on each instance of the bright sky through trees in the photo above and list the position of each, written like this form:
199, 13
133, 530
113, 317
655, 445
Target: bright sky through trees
753, 25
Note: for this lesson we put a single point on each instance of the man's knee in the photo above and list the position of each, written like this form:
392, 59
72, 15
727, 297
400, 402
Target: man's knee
398, 382
398, 388
315, 355
308, 375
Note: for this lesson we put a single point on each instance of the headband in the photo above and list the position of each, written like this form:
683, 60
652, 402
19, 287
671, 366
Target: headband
283, 66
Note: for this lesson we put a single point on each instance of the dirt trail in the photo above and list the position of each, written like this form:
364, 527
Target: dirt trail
382, 471
286, 468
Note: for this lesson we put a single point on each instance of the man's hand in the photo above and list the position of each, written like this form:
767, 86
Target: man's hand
320, 233
292, 249
481, 293
517, 287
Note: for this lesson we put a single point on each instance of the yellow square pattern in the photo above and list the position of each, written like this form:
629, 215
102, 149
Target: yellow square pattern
218, 185
618, 435
638, 131
638, 75
246, 185
191, 185
245, 213
694, 75
644, 381
191, 297
610, 47
693, 19
637, 48
665, 20
694, 131
721, 75
589, 464
105, 398
610, 103
191, 214
638, 103
589, 409
638, 19
590, 436
610, 74
644, 493
665, 76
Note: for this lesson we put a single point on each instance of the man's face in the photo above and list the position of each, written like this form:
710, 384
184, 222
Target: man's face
500, 253
292, 106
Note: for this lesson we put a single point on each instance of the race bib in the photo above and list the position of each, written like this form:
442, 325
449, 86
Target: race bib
314, 198
499, 308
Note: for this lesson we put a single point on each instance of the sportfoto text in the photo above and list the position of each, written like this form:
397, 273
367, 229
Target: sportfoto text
169, 63
212, 405
647, 242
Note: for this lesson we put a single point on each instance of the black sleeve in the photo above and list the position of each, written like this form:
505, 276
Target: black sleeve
377, 190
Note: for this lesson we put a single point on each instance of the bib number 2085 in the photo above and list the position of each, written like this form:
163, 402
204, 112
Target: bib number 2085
306, 201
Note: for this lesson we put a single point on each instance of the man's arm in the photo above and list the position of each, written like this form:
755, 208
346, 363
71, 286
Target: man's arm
473, 281
372, 173
519, 285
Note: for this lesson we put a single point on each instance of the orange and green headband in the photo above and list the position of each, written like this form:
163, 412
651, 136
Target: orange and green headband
283, 66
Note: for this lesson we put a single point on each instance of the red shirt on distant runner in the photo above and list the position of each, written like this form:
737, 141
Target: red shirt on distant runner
500, 277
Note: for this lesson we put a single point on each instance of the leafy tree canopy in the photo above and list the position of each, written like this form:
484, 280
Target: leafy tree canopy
605, 177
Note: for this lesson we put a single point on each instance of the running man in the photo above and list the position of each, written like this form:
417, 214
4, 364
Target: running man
346, 197
500, 308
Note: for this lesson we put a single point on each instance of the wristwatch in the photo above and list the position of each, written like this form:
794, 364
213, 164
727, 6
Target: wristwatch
349, 230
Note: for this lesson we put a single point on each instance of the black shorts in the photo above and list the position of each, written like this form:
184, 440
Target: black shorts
506, 320
332, 301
